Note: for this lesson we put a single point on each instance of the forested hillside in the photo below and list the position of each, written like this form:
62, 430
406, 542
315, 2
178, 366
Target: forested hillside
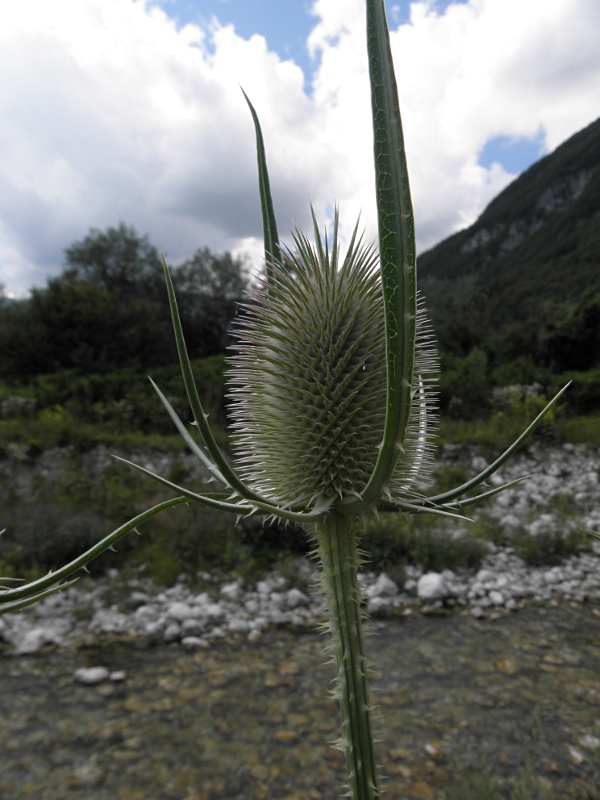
517, 294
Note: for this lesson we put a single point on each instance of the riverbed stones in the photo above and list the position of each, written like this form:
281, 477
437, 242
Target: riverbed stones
501, 585
561, 477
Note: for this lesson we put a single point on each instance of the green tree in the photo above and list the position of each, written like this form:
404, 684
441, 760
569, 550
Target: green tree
573, 342
107, 309
465, 385
210, 287
118, 260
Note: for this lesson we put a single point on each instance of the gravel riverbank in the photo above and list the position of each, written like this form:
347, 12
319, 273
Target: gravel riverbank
565, 477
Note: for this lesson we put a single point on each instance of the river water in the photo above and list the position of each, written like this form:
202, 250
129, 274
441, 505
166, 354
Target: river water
516, 698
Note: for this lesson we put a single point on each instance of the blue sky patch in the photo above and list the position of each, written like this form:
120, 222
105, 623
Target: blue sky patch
515, 154
285, 25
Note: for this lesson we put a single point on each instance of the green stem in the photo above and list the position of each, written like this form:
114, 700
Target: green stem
338, 551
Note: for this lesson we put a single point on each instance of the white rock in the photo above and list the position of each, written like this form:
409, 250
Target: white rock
277, 601
179, 611
154, 630
432, 586
213, 612
191, 627
295, 598
252, 606
140, 598
145, 615
589, 741
109, 620
193, 642
237, 625
36, 638
554, 575
496, 598
172, 633
379, 605
476, 590
90, 676
383, 587
576, 755
544, 524
231, 591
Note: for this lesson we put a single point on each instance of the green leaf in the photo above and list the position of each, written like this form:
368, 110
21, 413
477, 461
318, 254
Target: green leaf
396, 247
449, 497
235, 504
200, 417
17, 605
194, 447
37, 589
272, 248
213, 499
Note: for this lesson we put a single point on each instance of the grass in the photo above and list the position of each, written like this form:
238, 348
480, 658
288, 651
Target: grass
34, 436
393, 542
498, 431
74, 507
77, 509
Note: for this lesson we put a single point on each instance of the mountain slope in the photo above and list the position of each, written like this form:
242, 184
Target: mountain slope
528, 270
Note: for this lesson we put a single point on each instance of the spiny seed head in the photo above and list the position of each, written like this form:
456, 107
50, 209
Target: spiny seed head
307, 382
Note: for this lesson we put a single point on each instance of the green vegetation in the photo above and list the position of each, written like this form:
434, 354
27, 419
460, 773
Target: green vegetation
515, 298
75, 505
391, 545
108, 311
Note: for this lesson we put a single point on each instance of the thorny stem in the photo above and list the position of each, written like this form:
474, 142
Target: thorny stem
339, 555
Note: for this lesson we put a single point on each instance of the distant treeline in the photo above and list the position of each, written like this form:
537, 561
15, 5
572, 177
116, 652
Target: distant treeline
545, 349
87, 341
108, 309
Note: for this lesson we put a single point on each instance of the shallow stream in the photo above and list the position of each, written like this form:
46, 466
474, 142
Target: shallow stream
518, 697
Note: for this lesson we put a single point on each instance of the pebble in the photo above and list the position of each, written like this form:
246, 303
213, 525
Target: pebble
91, 676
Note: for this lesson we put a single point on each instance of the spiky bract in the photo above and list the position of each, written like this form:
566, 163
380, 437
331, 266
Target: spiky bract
308, 380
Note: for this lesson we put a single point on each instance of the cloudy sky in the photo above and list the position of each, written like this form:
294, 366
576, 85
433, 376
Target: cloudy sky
130, 110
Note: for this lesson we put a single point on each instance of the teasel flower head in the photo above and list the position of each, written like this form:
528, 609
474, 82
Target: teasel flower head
307, 380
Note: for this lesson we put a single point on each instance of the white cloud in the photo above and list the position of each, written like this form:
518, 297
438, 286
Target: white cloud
111, 113
473, 72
